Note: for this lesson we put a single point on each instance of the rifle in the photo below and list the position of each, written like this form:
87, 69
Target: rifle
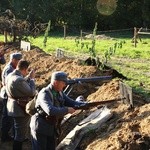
125, 94
71, 82
86, 106
86, 80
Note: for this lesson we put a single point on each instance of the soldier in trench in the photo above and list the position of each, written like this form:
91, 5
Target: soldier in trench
7, 121
51, 105
20, 88
2, 58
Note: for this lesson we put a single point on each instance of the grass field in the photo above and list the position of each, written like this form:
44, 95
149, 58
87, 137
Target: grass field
130, 61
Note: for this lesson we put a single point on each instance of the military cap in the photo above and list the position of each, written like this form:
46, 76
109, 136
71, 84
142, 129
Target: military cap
17, 56
59, 76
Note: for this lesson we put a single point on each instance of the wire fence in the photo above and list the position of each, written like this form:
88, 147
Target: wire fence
109, 31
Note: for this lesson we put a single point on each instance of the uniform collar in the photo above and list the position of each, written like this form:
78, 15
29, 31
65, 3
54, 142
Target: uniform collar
17, 72
54, 92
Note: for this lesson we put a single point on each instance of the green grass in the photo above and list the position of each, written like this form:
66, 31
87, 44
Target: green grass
137, 69
130, 61
69, 44
127, 50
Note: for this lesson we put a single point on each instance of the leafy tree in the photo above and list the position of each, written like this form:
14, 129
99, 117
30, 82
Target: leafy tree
80, 13
145, 13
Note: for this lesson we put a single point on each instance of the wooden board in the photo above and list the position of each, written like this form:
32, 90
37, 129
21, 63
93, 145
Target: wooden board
126, 92
92, 122
25, 45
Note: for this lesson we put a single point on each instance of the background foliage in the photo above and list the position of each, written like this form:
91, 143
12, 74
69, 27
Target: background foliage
80, 14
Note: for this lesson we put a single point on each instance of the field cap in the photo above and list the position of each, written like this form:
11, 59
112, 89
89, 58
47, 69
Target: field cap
59, 76
17, 56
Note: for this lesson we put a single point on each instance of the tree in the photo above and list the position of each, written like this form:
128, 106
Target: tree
145, 13
79, 13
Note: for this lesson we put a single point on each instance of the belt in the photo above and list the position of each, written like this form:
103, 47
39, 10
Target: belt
49, 119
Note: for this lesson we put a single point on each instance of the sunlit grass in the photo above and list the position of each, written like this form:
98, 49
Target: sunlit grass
101, 46
137, 69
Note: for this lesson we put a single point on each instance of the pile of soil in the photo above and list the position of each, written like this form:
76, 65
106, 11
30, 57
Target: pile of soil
128, 129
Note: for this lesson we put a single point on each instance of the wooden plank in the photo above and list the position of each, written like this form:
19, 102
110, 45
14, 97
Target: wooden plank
143, 32
25, 45
126, 92
92, 122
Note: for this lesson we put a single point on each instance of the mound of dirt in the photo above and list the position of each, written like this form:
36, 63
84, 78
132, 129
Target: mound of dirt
128, 129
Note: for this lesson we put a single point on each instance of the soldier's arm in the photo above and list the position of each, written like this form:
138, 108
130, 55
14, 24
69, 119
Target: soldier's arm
26, 88
70, 102
46, 103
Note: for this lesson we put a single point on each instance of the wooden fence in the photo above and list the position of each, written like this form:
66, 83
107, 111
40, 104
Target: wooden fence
137, 32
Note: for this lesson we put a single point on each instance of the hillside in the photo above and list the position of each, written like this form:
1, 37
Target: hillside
128, 129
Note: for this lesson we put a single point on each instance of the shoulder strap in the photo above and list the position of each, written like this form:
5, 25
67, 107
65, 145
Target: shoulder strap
51, 94
61, 94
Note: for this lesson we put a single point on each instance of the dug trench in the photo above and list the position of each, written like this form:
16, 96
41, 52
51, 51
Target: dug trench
127, 129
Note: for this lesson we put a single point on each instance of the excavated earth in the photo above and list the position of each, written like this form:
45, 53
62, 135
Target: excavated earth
128, 129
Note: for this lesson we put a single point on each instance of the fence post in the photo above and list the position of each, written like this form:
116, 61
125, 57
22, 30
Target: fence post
135, 36
64, 31
5, 36
81, 34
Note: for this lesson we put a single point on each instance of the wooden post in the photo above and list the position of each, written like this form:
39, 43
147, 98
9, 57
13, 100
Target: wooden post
14, 35
81, 35
135, 36
64, 31
5, 36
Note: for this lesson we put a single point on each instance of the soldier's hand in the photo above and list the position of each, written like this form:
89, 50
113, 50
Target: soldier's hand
71, 110
32, 74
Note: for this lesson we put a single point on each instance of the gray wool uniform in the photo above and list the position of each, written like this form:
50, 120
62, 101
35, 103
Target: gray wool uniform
6, 71
43, 130
7, 121
17, 87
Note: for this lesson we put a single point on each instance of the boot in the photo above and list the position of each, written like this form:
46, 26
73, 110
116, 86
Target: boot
17, 145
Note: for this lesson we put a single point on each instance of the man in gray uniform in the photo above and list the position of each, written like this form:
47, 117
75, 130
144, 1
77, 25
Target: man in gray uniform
20, 90
51, 104
7, 121
2, 58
